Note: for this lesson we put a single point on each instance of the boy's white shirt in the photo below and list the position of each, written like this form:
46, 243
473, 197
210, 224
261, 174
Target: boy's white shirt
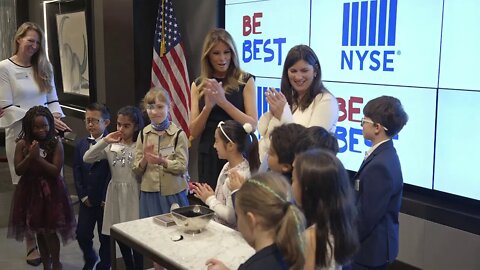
370, 151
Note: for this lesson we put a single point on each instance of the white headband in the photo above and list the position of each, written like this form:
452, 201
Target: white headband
221, 129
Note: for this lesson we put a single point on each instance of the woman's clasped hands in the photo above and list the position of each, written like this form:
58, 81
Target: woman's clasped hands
276, 101
214, 93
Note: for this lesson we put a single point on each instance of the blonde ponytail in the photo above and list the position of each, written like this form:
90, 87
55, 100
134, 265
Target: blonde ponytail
290, 239
265, 195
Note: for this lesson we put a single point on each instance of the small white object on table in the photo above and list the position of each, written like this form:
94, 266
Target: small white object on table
157, 242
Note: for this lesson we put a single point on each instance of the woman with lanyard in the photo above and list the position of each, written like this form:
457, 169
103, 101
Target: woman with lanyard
26, 80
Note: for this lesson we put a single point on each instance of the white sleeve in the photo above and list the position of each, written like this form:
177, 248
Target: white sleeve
12, 113
287, 116
263, 123
96, 152
224, 212
6, 96
325, 112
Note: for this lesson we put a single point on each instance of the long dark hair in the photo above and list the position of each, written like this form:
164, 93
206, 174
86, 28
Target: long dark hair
246, 142
50, 141
327, 202
297, 53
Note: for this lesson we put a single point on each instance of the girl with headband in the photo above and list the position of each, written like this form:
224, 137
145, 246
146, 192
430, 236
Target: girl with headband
239, 146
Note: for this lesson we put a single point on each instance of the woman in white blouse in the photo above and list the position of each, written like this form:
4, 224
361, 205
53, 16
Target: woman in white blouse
26, 80
303, 98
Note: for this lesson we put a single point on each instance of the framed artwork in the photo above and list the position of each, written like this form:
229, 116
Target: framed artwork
70, 47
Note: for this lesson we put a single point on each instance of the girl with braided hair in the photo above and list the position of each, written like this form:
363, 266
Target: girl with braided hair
40, 203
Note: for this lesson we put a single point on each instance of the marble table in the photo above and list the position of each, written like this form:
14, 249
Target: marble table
155, 241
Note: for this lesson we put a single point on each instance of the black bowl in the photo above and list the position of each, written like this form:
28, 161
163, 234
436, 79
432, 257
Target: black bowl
193, 218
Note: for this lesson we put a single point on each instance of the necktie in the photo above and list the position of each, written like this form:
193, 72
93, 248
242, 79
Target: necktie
91, 141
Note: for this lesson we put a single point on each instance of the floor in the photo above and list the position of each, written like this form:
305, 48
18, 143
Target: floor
12, 253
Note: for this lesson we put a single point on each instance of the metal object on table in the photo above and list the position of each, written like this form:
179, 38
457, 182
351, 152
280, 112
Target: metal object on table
192, 219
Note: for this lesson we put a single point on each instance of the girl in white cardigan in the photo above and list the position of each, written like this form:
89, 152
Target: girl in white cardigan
238, 145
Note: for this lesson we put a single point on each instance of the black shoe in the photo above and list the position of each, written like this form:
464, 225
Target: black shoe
36, 261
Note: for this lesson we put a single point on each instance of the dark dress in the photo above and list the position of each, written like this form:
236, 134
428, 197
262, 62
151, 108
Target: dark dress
209, 166
41, 204
268, 258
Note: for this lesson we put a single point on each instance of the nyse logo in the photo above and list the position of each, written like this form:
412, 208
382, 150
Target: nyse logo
368, 35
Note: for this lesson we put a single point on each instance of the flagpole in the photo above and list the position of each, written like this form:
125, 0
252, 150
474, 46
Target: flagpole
163, 47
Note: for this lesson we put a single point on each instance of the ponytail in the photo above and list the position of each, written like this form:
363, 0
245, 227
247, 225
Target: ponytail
265, 195
252, 154
289, 239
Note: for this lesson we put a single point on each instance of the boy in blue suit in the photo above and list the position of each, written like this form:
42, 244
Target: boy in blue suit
379, 184
91, 181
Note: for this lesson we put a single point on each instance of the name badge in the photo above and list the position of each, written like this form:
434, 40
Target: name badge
117, 148
21, 75
357, 185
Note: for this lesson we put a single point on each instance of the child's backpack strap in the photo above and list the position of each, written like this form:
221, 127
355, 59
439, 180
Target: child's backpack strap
176, 138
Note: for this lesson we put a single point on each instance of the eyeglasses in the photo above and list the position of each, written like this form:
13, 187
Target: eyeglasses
365, 120
220, 124
92, 121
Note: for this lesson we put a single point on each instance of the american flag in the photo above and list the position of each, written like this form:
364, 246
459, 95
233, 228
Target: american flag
169, 67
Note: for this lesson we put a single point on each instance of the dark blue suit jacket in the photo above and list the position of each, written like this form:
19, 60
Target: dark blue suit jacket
90, 179
378, 202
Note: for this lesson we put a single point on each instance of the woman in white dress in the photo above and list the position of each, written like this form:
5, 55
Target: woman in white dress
26, 80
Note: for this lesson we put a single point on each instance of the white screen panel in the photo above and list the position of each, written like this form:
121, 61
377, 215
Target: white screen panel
263, 34
419, 103
457, 147
460, 45
383, 42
